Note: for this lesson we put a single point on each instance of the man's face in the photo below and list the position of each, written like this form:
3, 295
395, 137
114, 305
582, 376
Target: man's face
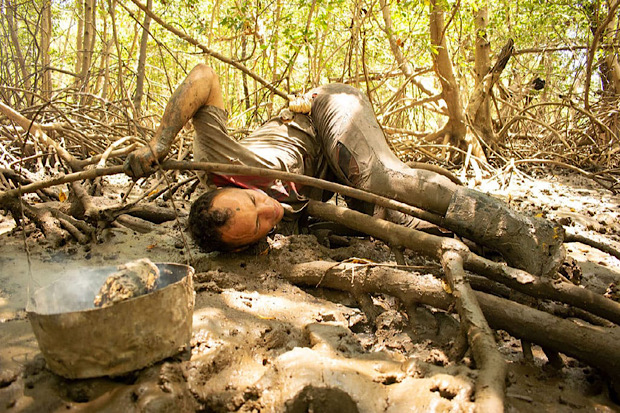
254, 215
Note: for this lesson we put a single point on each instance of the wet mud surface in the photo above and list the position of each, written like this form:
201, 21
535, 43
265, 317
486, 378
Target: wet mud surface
261, 344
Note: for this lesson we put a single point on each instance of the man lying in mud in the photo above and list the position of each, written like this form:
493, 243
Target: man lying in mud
336, 138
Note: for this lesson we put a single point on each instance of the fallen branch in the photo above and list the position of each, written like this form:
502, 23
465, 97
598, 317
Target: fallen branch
234, 170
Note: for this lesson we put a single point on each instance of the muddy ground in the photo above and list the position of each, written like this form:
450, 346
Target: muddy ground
260, 344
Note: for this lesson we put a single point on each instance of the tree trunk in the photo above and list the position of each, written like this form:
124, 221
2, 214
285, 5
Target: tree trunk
87, 45
21, 61
480, 96
353, 41
214, 17
137, 99
244, 77
103, 76
274, 56
46, 34
456, 128
120, 72
610, 69
598, 27
79, 38
405, 66
482, 63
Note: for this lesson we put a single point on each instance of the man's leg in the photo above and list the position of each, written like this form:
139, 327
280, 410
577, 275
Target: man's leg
359, 155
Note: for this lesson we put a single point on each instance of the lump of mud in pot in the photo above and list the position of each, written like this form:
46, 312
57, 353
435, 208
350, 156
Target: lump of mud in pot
131, 280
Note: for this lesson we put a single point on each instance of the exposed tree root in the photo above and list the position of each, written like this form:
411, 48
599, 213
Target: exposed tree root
570, 237
42, 218
152, 213
491, 382
432, 246
558, 290
394, 235
454, 255
480, 283
137, 224
593, 345
45, 194
80, 230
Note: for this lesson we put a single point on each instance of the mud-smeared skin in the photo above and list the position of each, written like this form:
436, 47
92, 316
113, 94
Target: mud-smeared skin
201, 87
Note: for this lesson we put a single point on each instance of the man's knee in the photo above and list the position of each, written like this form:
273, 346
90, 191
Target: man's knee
204, 72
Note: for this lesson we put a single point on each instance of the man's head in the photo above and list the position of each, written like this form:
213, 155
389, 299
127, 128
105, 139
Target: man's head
230, 219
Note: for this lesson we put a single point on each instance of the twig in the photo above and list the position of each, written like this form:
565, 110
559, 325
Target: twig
208, 51
580, 171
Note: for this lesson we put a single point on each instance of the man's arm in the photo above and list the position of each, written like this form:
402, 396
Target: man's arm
201, 87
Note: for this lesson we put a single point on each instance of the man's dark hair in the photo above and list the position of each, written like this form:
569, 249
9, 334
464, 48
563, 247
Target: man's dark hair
205, 222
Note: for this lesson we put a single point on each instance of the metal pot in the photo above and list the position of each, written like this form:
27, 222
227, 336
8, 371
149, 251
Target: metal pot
81, 341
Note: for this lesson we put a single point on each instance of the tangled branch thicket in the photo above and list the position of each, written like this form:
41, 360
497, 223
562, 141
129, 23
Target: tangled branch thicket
85, 127
561, 133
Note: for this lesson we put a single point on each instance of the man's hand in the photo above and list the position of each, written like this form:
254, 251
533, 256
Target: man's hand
140, 163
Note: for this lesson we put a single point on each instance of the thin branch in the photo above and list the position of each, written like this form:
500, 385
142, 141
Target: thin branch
592, 50
208, 51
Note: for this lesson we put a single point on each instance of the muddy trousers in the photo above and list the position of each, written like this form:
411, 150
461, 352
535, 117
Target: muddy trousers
358, 154
526, 242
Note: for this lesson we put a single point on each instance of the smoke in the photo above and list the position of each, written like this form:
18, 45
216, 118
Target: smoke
77, 288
